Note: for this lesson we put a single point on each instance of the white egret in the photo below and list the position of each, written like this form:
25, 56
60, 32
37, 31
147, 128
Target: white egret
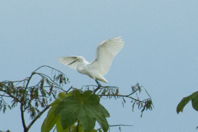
96, 70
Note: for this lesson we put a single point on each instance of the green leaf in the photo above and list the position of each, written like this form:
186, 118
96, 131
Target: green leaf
86, 119
182, 104
79, 107
193, 98
1, 84
68, 116
103, 122
59, 127
50, 121
52, 117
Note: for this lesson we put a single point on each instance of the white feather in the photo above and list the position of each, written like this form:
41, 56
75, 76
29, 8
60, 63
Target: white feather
106, 53
73, 61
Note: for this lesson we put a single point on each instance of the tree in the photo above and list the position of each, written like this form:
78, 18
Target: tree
70, 109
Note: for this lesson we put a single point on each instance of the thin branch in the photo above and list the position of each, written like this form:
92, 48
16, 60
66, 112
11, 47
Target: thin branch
10, 95
21, 106
119, 125
43, 75
95, 90
16, 81
47, 67
28, 81
147, 93
40, 68
119, 95
67, 91
130, 94
37, 117
23, 118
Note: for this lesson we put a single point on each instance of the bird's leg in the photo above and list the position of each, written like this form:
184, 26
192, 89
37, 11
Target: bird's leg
99, 85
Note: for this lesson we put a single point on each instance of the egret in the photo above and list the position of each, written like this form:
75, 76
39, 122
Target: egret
106, 52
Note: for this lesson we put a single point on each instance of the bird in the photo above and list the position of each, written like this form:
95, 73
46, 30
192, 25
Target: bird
105, 54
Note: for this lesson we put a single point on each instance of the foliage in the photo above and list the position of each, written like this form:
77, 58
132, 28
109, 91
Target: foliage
80, 109
71, 110
194, 100
134, 97
5, 131
75, 110
32, 99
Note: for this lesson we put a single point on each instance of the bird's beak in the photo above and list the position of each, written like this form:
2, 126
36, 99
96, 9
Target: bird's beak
73, 62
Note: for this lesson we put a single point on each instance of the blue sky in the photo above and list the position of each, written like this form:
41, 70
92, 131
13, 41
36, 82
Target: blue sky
161, 39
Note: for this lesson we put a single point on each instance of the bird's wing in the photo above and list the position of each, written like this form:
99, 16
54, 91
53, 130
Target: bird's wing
106, 52
70, 61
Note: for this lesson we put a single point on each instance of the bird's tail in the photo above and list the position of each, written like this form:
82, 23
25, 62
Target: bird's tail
101, 78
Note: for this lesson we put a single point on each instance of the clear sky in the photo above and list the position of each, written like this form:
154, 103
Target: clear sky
161, 39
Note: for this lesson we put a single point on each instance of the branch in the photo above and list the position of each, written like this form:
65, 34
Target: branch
95, 90
120, 95
46, 76
10, 95
38, 116
47, 67
67, 91
23, 118
28, 80
117, 125
35, 99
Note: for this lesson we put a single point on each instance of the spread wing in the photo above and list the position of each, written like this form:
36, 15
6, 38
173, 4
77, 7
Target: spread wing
106, 52
70, 61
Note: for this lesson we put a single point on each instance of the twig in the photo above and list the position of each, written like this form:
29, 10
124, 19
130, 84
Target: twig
68, 89
28, 81
47, 67
95, 90
38, 116
10, 95
27, 93
119, 95
23, 118
117, 125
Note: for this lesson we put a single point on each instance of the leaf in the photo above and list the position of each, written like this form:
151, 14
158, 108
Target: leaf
68, 116
194, 100
77, 107
52, 118
1, 84
49, 121
86, 119
182, 104
60, 128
